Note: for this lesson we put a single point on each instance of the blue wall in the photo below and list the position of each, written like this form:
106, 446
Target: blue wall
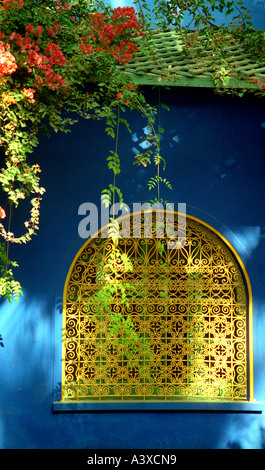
214, 147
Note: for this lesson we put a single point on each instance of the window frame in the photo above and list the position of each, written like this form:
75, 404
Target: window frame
201, 405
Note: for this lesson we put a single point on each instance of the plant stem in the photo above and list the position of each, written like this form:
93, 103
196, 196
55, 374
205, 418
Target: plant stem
116, 152
158, 145
9, 229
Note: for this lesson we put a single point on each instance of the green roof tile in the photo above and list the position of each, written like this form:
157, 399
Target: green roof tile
168, 61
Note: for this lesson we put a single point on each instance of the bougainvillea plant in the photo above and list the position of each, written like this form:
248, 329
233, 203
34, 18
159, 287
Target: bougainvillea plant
56, 57
60, 57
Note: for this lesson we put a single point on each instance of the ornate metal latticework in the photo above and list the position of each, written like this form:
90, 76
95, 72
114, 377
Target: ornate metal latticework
189, 308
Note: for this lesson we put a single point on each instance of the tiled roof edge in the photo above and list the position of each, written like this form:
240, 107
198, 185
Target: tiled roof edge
170, 63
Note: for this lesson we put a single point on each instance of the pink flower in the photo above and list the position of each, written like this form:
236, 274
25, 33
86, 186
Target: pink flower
13, 36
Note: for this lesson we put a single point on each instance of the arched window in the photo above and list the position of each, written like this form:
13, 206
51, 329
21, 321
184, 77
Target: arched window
187, 310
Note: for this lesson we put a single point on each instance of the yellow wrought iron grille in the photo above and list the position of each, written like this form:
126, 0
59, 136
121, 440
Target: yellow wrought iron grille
188, 309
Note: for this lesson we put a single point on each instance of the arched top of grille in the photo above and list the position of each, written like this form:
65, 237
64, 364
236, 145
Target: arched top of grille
201, 246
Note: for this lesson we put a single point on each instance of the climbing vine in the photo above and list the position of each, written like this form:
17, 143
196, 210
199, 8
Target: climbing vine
60, 57
56, 57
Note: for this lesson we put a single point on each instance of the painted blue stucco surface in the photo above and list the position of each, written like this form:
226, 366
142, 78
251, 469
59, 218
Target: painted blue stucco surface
215, 152
214, 147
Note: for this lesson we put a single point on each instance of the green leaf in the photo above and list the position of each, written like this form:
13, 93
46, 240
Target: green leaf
114, 162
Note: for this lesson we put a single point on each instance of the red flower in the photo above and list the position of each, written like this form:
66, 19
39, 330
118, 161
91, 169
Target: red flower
29, 27
38, 31
54, 54
7, 4
118, 96
256, 80
86, 49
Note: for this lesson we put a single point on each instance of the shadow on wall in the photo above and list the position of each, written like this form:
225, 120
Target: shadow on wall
245, 240
27, 384
26, 330
245, 432
26, 372
27, 391
252, 435
249, 242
